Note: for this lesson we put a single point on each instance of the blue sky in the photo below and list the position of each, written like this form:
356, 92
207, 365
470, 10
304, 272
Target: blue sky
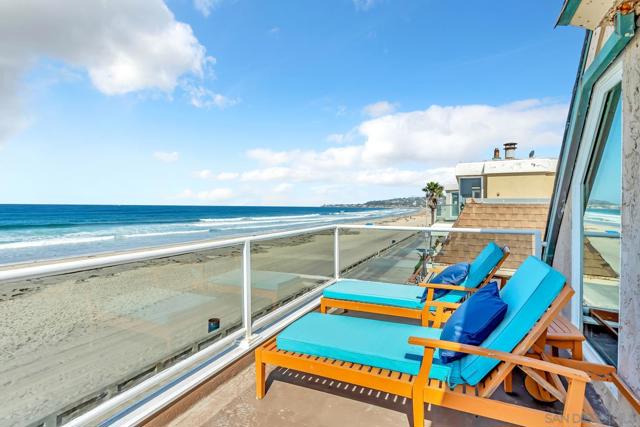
271, 103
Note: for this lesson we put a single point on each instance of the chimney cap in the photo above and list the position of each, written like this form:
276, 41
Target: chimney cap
510, 150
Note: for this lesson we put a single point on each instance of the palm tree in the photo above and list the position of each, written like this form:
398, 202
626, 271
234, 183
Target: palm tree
433, 191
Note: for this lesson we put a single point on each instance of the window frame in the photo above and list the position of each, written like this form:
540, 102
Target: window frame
611, 79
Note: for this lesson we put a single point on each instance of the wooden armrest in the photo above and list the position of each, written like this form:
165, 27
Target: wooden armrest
443, 304
502, 356
447, 287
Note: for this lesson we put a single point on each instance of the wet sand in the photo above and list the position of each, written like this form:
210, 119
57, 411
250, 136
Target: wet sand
67, 337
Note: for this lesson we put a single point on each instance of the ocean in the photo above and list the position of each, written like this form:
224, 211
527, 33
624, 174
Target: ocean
42, 232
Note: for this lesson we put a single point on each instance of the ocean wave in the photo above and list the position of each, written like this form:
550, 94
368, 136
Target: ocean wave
163, 233
54, 241
249, 219
283, 224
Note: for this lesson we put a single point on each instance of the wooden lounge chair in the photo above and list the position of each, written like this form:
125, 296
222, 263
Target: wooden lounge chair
406, 300
409, 366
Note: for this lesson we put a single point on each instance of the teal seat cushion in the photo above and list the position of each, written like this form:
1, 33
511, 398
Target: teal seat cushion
407, 296
483, 264
528, 294
369, 342
392, 294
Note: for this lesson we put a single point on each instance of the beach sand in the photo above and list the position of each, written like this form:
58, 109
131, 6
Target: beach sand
64, 338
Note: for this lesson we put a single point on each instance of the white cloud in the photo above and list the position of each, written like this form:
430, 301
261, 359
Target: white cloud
206, 6
270, 157
397, 177
343, 138
166, 157
274, 31
408, 149
214, 195
460, 133
365, 4
222, 176
201, 97
282, 188
402, 151
123, 45
378, 109
203, 174
227, 176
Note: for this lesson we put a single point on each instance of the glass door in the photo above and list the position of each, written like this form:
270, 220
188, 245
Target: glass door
602, 192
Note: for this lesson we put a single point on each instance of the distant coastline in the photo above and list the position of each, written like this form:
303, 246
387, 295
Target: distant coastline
399, 202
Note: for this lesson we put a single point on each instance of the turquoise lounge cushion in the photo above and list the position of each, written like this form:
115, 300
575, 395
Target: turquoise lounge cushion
407, 296
365, 341
528, 294
483, 264
392, 294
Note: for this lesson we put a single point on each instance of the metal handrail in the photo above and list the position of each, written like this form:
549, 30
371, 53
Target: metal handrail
69, 266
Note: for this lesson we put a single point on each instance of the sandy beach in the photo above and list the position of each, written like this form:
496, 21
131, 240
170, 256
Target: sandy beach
84, 335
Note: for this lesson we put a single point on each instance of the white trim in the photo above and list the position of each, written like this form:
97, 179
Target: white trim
605, 84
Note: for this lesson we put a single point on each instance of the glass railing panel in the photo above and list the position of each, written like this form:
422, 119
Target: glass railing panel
447, 213
380, 255
450, 247
70, 342
285, 268
399, 256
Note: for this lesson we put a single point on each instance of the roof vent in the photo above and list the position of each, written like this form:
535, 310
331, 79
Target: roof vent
510, 150
496, 154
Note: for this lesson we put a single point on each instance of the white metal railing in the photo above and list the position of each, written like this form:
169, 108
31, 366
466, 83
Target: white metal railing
240, 341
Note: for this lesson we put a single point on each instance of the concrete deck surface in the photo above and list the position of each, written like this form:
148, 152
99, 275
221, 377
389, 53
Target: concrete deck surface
295, 399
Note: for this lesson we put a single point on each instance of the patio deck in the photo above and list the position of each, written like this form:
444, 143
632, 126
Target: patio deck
296, 399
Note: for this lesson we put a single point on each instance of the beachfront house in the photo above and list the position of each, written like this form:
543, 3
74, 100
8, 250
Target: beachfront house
508, 177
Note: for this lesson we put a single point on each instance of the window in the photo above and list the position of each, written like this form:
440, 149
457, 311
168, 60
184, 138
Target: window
470, 187
602, 195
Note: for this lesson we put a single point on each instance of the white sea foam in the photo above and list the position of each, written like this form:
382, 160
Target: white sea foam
163, 233
54, 241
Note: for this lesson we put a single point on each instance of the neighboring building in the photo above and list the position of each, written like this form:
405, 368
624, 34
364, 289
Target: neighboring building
506, 178
596, 200
463, 247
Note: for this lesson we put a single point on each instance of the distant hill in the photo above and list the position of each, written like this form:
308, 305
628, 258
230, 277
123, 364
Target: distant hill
400, 202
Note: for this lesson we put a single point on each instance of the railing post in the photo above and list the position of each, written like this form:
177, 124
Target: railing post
246, 290
336, 253
537, 243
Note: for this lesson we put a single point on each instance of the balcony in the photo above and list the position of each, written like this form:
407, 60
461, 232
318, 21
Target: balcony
165, 336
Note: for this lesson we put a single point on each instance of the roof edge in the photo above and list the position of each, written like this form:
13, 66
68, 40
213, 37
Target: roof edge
568, 11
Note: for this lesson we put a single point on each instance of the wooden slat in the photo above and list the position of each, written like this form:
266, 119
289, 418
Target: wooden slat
348, 373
